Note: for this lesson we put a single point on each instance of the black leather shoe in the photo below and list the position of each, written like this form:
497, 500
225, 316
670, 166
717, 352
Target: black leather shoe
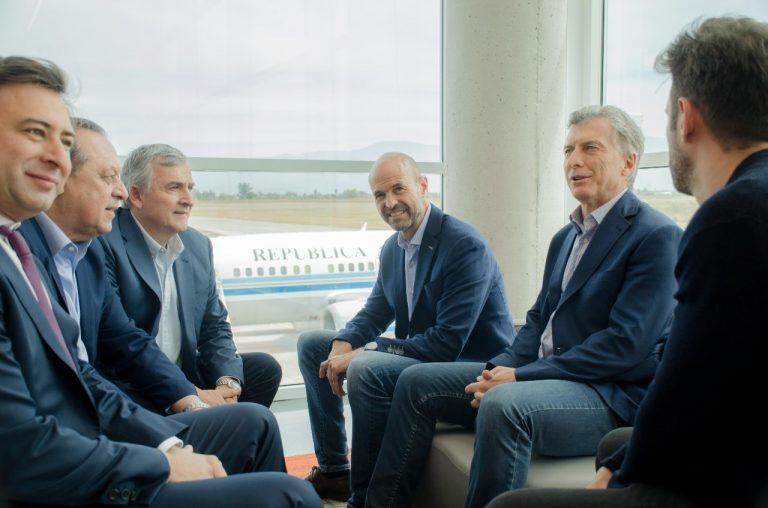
336, 488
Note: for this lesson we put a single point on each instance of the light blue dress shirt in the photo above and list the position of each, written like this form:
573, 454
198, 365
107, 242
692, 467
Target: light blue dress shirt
66, 255
585, 231
169, 327
411, 249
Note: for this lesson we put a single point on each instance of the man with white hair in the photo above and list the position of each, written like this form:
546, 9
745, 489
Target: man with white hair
582, 362
162, 270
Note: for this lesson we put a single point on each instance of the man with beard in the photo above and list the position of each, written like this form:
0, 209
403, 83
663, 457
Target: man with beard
696, 441
440, 283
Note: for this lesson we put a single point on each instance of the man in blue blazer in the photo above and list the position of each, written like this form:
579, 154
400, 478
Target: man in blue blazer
182, 309
589, 348
67, 435
440, 283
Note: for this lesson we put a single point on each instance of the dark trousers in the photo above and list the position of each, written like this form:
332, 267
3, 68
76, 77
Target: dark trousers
262, 378
635, 496
245, 437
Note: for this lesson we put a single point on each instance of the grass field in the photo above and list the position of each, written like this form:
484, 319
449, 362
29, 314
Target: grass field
341, 213
353, 213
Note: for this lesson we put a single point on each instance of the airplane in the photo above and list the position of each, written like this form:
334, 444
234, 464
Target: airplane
309, 280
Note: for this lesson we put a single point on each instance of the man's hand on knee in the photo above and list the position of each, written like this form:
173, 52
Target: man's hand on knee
487, 380
335, 368
186, 465
601, 479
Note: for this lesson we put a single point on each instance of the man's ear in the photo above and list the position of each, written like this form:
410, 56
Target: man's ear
423, 185
134, 197
689, 119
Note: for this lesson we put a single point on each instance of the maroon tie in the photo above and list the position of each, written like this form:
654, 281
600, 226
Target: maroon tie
30, 270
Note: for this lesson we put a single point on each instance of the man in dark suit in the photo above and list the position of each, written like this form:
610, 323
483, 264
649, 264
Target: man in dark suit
68, 436
163, 273
697, 440
582, 363
440, 283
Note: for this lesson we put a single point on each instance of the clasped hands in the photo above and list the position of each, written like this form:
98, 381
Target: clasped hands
487, 380
220, 395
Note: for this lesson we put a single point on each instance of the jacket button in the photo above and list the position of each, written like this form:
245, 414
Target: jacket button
125, 494
113, 495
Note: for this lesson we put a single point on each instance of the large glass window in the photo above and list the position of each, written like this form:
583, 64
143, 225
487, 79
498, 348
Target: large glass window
281, 106
635, 32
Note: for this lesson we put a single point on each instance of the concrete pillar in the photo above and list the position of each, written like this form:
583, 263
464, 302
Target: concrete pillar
503, 120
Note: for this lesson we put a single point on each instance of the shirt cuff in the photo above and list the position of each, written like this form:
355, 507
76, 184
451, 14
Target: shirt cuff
170, 443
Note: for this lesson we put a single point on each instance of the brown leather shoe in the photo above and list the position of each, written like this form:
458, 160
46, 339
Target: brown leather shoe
336, 488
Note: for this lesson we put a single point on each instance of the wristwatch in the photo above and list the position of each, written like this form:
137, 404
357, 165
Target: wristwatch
371, 346
198, 404
229, 382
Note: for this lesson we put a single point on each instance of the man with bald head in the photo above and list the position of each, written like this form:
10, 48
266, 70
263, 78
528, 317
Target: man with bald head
440, 283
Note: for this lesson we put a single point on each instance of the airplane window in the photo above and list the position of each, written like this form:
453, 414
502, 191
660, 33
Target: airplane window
296, 269
248, 272
271, 270
361, 267
341, 267
283, 270
307, 269
236, 272
330, 268
351, 267
370, 266
260, 271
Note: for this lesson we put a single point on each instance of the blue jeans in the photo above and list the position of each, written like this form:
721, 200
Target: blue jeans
551, 417
371, 380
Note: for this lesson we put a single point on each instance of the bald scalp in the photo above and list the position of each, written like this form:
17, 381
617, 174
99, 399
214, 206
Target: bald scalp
406, 162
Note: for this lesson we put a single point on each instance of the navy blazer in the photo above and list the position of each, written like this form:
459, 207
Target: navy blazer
614, 314
460, 310
67, 435
207, 349
120, 350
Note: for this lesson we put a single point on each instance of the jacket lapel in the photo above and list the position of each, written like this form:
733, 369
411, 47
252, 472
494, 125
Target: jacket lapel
35, 238
429, 243
182, 272
31, 305
613, 226
138, 252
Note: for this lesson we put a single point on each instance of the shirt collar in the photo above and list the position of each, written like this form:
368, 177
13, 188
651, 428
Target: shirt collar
416, 240
598, 215
58, 242
174, 247
9, 223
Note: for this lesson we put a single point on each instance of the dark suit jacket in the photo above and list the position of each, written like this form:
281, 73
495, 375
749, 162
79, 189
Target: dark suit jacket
698, 432
207, 349
460, 310
67, 436
613, 315
120, 350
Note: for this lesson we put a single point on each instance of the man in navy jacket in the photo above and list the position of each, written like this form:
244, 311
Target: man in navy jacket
440, 283
67, 435
582, 363
183, 310
697, 440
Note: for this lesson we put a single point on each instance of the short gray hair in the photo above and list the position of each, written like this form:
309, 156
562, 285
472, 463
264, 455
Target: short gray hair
627, 135
137, 168
76, 155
